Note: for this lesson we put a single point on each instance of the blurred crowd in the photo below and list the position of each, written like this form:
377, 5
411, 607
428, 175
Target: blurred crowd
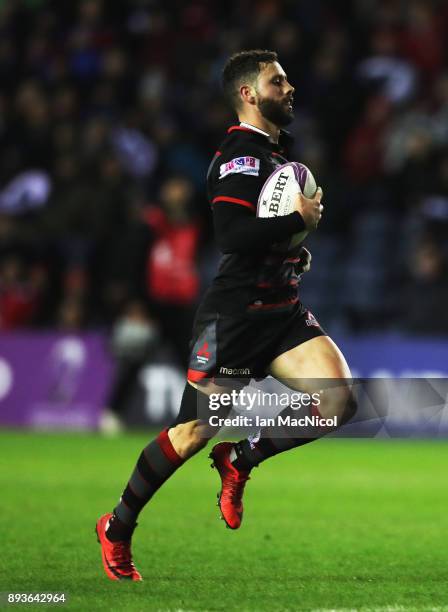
111, 112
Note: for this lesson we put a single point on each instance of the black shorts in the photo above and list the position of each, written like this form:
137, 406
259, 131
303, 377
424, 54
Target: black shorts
227, 346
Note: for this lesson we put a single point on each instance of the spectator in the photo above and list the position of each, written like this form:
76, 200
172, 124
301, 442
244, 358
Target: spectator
427, 292
172, 278
21, 289
135, 341
103, 102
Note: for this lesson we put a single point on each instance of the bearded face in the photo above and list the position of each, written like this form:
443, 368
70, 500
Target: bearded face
278, 112
271, 93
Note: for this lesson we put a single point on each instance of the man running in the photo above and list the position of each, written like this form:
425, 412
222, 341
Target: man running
251, 321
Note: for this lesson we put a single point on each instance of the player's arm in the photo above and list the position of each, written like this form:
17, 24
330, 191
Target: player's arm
233, 189
237, 230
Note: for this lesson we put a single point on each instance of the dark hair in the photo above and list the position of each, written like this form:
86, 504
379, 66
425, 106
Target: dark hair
241, 67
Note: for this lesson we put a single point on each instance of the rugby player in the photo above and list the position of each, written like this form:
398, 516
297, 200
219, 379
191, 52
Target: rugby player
250, 321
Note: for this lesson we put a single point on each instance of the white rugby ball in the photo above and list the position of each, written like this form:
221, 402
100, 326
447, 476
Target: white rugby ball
279, 193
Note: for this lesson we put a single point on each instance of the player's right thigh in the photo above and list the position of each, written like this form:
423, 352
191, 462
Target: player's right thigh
318, 366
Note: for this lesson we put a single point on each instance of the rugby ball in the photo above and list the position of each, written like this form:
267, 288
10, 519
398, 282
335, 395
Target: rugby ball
279, 192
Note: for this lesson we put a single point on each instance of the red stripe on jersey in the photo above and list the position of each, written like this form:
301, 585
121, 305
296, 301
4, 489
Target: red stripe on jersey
168, 448
196, 375
234, 201
239, 128
289, 302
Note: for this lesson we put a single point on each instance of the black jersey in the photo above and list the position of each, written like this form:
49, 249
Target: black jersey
254, 276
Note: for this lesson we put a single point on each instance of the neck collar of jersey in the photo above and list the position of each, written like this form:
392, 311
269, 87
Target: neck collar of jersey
248, 126
285, 138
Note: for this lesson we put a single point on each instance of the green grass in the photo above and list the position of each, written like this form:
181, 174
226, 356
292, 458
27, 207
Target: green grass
337, 524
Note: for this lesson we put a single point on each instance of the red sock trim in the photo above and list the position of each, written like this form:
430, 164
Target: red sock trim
168, 448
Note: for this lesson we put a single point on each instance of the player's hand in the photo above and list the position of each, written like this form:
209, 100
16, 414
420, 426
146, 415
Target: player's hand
310, 209
304, 263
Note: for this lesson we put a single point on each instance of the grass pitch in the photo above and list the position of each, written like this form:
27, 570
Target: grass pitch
359, 525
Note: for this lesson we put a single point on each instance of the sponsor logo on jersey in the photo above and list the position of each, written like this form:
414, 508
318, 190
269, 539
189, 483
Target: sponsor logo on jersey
240, 165
203, 354
235, 371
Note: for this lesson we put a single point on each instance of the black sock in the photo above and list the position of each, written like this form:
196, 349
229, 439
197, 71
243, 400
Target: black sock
118, 531
251, 452
157, 462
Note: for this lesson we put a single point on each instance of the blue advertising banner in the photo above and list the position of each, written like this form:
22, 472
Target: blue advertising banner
52, 381
60, 381
395, 356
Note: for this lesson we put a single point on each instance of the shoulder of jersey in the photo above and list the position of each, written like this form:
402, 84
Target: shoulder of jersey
237, 154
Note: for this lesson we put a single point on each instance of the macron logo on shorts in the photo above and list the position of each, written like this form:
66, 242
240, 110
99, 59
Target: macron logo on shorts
235, 371
240, 165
